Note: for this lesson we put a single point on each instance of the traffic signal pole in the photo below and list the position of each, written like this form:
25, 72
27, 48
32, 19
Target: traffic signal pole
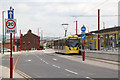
11, 58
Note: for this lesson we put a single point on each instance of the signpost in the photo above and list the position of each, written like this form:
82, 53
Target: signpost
83, 37
10, 27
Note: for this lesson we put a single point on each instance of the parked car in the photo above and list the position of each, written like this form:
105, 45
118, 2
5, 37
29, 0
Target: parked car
5, 50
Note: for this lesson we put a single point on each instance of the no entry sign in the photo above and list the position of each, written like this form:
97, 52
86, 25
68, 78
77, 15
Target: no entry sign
10, 26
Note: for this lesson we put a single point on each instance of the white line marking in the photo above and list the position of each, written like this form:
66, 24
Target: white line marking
71, 71
29, 60
46, 63
54, 59
42, 59
55, 66
89, 78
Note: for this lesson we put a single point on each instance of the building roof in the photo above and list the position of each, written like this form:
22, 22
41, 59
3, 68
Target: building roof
107, 30
30, 32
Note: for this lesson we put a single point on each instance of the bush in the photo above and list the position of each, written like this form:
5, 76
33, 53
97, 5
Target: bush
41, 46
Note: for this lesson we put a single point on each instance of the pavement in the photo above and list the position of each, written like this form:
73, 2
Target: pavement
5, 71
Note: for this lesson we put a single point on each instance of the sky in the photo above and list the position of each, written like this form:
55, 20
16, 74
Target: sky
48, 15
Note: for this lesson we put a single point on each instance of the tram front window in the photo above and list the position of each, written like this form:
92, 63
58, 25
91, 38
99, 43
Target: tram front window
73, 43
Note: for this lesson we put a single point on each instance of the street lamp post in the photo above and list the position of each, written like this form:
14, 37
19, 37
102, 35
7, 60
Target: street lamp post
65, 26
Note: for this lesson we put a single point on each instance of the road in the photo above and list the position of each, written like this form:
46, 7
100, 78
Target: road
50, 65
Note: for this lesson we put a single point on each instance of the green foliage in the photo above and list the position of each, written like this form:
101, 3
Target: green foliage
41, 46
49, 46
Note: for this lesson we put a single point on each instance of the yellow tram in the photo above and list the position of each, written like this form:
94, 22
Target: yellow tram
67, 45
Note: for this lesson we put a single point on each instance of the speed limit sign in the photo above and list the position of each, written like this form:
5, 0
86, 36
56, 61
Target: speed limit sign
10, 26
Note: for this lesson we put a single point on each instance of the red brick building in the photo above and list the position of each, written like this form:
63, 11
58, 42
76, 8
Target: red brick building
30, 41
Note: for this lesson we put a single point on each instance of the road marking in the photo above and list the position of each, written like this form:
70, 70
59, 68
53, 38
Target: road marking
71, 71
55, 66
23, 74
29, 60
42, 59
89, 78
46, 63
54, 59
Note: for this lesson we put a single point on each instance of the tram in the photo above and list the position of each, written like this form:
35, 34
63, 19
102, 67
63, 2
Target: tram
67, 45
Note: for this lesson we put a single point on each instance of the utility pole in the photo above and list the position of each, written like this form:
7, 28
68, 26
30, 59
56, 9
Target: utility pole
76, 24
98, 29
3, 29
20, 40
76, 27
38, 39
41, 35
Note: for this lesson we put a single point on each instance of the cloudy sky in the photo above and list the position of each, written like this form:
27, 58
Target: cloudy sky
48, 15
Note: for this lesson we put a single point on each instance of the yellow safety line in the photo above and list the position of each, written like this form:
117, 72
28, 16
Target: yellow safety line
23, 73
20, 72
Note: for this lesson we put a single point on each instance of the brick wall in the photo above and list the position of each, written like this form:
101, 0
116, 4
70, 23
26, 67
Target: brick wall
29, 37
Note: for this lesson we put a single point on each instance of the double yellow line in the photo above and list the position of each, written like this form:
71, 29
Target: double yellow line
24, 75
20, 72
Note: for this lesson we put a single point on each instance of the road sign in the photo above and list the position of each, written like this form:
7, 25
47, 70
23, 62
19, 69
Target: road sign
83, 36
10, 14
10, 26
83, 28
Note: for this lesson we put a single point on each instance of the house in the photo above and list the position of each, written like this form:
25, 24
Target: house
30, 41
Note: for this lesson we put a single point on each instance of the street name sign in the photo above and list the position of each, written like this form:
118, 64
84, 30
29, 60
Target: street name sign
10, 26
10, 14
